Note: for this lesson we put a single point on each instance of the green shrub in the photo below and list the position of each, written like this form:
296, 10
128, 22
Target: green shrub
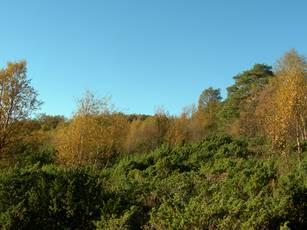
50, 198
215, 184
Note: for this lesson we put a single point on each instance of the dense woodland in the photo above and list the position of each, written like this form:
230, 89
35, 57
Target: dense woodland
233, 163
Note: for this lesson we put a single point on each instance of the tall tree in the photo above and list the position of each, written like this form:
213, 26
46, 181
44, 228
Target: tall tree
209, 97
287, 111
209, 104
18, 100
238, 112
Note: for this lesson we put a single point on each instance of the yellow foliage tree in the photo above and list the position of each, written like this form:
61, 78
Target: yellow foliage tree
190, 126
18, 100
94, 134
146, 135
179, 131
285, 107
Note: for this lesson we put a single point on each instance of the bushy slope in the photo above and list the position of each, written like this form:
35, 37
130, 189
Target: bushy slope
215, 184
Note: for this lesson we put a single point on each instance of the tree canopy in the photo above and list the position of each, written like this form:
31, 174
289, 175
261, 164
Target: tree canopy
18, 100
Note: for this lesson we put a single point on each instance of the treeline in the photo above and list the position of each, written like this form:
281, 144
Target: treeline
268, 107
238, 162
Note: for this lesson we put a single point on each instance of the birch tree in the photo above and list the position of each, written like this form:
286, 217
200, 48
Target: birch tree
287, 110
18, 100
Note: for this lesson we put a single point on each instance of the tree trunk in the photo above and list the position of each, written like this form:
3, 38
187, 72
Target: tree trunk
299, 148
304, 128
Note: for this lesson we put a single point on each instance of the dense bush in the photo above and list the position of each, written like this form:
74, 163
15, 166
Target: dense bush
215, 184
41, 154
49, 197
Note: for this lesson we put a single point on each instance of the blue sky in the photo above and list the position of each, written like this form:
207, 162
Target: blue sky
144, 53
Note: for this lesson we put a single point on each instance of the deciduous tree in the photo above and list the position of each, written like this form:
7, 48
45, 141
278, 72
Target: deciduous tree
285, 110
94, 134
18, 100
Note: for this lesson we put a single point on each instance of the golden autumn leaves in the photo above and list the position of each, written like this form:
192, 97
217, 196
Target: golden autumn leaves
94, 133
286, 109
262, 103
18, 100
272, 105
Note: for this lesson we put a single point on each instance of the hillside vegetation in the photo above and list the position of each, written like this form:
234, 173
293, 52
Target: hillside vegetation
233, 163
216, 183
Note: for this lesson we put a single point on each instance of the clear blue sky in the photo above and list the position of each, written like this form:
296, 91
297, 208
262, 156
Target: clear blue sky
144, 53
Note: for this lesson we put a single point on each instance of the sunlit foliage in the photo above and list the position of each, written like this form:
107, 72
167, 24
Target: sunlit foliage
18, 100
237, 163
